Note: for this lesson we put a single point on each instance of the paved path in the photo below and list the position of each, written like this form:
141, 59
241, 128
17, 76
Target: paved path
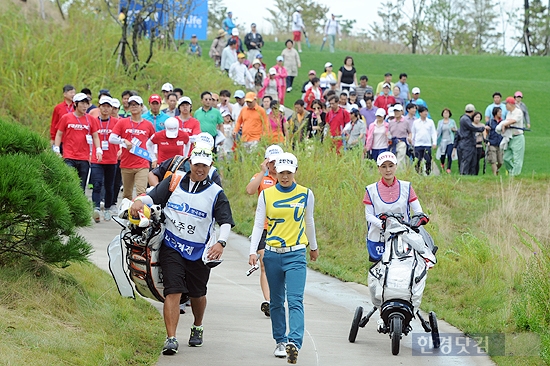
237, 333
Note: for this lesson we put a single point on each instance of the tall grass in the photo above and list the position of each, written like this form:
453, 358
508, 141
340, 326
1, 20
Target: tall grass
39, 57
482, 263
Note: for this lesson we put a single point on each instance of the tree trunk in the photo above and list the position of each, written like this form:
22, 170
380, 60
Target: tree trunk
526, 42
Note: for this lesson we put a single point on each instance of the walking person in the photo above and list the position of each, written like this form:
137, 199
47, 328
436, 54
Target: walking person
103, 172
378, 135
216, 48
78, 132
186, 255
446, 129
389, 194
253, 42
347, 75
132, 133
288, 208
292, 63
424, 138
66, 106
515, 149
267, 177
331, 29
465, 141
494, 152
298, 27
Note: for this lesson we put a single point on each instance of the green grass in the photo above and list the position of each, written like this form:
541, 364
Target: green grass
73, 316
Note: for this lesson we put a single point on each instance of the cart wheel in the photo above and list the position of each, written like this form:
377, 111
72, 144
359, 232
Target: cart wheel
355, 324
435, 330
396, 328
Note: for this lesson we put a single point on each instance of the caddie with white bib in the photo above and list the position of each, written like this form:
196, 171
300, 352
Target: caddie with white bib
193, 204
387, 195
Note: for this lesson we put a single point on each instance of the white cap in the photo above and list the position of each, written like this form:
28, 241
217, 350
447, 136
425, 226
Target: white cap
225, 112
256, 61
380, 112
235, 31
328, 64
239, 94
386, 156
286, 162
167, 87
387, 85
172, 126
272, 71
116, 103
281, 108
415, 90
469, 108
280, 58
299, 8
184, 100
79, 97
272, 152
398, 107
135, 98
201, 155
204, 140
391, 113
105, 100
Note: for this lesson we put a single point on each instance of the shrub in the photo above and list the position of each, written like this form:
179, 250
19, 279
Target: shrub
41, 202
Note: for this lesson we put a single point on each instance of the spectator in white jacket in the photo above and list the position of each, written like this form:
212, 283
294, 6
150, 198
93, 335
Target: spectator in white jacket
229, 55
424, 138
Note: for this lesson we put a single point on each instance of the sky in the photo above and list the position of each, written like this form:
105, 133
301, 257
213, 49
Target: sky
364, 11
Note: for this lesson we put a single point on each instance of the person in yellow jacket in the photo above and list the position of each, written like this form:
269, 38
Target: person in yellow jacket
288, 208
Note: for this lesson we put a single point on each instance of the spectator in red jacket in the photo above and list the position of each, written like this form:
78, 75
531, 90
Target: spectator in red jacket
385, 100
66, 106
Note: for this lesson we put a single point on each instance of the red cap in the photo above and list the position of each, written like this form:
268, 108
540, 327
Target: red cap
510, 100
155, 98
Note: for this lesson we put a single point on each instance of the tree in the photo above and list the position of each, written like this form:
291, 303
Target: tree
415, 26
442, 24
484, 20
536, 28
41, 202
391, 29
314, 15
346, 26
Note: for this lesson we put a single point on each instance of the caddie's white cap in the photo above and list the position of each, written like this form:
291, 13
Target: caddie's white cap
201, 156
79, 97
106, 100
272, 152
135, 98
286, 162
386, 156
172, 126
380, 112
204, 140
167, 87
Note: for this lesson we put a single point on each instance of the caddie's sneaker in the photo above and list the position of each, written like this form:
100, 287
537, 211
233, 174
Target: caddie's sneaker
291, 352
265, 308
195, 339
96, 215
280, 350
170, 346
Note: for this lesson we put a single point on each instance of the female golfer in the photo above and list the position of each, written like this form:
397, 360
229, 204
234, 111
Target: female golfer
288, 208
389, 194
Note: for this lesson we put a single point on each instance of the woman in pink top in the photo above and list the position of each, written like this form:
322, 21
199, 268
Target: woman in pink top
377, 135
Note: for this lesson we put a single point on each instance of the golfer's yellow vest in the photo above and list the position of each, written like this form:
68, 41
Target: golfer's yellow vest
285, 212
